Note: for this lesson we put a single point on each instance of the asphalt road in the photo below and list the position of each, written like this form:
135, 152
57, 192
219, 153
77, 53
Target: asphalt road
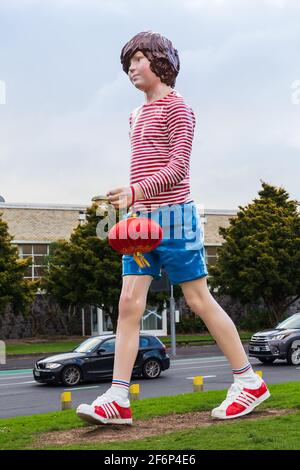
20, 395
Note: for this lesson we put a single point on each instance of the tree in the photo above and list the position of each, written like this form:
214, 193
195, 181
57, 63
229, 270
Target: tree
14, 289
260, 258
85, 270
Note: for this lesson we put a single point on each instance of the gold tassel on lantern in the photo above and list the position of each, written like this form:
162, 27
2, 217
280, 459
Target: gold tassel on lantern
140, 260
138, 257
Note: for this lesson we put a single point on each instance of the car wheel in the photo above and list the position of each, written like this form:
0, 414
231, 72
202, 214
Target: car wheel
151, 369
267, 360
71, 375
293, 356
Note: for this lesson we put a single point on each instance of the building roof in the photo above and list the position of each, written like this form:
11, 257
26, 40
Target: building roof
45, 223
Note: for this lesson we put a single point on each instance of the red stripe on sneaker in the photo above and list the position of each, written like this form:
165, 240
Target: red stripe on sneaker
234, 409
112, 410
125, 413
257, 392
109, 410
100, 411
117, 414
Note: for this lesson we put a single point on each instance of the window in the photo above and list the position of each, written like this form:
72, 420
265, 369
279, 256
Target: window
151, 320
144, 342
109, 345
106, 322
211, 254
36, 251
87, 346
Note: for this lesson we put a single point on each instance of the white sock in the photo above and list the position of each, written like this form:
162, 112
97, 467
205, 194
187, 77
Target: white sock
120, 389
247, 376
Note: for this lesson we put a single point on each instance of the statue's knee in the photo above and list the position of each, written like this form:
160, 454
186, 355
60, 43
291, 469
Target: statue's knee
195, 303
129, 305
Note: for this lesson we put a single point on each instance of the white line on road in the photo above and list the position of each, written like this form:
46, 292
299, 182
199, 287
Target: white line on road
197, 362
204, 377
200, 367
199, 359
18, 383
209, 364
80, 388
17, 376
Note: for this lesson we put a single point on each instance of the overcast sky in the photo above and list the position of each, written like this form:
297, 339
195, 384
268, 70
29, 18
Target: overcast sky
64, 123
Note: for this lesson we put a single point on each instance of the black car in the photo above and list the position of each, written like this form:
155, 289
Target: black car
94, 359
282, 342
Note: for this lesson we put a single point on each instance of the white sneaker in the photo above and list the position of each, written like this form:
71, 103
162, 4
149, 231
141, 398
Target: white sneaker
106, 410
240, 400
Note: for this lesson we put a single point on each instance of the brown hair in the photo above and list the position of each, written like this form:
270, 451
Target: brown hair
163, 57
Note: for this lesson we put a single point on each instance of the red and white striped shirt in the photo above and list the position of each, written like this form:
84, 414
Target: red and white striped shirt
161, 135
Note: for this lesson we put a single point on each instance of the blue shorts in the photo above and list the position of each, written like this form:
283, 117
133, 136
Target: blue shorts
181, 250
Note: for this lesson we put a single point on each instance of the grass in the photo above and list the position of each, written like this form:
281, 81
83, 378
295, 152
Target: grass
40, 347
201, 338
64, 345
269, 433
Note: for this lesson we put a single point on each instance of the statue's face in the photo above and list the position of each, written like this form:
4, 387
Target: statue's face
140, 73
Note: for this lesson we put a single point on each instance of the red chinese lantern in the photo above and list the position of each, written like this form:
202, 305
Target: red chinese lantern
134, 236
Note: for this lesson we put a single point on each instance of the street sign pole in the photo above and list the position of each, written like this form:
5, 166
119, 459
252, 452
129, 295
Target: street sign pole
172, 323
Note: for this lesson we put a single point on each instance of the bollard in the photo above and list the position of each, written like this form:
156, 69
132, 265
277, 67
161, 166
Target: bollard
134, 391
198, 383
66, 400
259, 373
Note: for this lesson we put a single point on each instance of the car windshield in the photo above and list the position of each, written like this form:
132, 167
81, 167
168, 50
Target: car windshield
291, 322
87, 346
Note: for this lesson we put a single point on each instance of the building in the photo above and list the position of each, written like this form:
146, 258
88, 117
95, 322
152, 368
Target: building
35, 226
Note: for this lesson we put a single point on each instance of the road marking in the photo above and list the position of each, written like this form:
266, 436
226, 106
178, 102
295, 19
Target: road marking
198, 362
12, 371
200, 367
18, 383
16, 377
214, 364
200, 359
204, 360
204, 376
80, 388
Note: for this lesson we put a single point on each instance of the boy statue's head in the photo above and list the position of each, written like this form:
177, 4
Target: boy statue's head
163, 57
